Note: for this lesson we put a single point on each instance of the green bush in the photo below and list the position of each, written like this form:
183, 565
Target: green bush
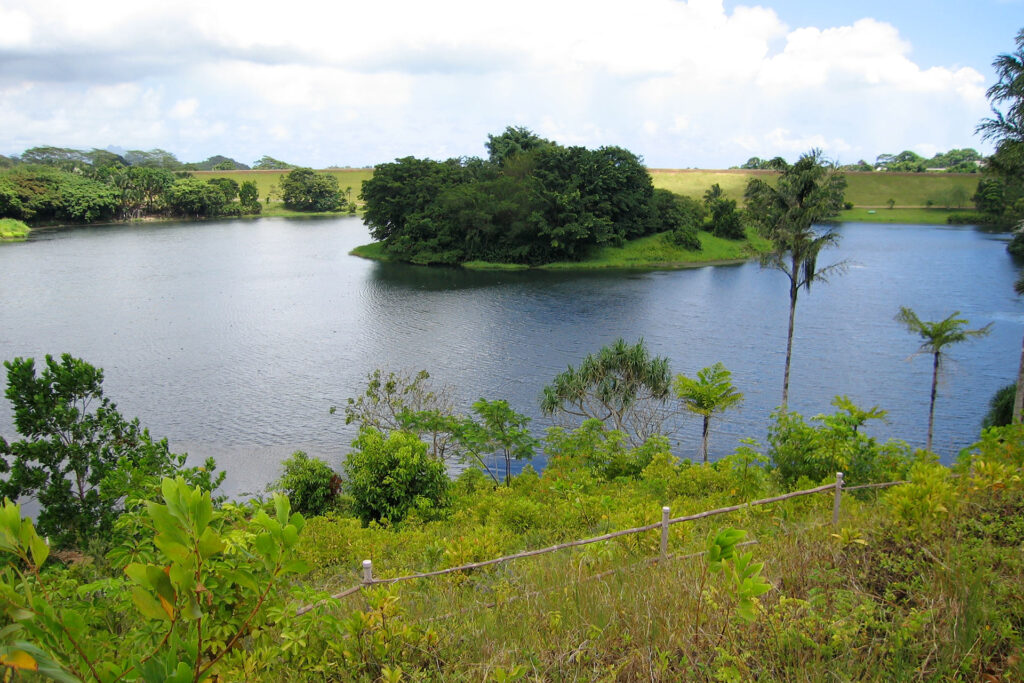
1000, 407
388, 477
310, 484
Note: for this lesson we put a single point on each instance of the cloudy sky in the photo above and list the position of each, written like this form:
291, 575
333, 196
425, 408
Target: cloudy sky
697, 83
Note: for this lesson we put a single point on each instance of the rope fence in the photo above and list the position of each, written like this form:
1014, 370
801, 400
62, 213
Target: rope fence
666, 521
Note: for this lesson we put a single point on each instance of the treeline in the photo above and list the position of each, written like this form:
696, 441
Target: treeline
532, 201
965, 160
51, 185
68, 159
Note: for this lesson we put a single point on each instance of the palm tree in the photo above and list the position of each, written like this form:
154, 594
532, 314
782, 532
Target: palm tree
936, 336
711, 392
806, 192
1018, 397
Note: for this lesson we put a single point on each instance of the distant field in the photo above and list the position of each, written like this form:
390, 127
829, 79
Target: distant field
266, 180
865, 190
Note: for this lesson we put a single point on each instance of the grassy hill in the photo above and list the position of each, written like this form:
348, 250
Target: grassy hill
866, 190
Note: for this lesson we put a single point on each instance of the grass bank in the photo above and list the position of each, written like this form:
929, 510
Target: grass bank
899, 215
866, 190
646, 253
12, 230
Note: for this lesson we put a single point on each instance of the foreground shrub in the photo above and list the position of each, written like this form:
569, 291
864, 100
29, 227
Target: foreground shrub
388, 477
310, 484
175, 619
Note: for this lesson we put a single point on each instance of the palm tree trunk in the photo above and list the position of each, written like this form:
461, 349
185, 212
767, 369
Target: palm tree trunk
1018, 397
793, 291
931, 407
704, 438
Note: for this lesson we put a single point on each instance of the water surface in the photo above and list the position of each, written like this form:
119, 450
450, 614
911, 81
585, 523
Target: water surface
234, 339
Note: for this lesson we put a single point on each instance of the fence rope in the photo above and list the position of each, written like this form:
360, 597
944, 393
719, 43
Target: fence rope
369, 581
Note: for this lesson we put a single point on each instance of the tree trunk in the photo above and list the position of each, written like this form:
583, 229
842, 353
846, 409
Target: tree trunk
793, 291
508, 469
704, 438
1018, 397
931, 407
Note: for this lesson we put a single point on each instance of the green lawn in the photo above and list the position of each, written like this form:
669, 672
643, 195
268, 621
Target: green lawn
901, 215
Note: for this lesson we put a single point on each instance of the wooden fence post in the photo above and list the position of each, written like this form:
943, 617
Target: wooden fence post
664, 532
838, 499
367, 572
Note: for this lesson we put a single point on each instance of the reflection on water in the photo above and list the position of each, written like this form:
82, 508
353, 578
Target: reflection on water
234, 339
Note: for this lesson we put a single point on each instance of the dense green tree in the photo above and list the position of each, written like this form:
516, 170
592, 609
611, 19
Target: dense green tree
807, 192
310, 484
390, 476
1006, 129
78, 456
990, 197
935, 337
192, 197
154, 158
515, 140
621, 385
266, 163
710, 392
228, 187
249, 197
302, 189
680, 217
726, 221
403, 189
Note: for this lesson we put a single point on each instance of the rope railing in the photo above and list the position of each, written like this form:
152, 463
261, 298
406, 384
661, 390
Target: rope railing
837, 487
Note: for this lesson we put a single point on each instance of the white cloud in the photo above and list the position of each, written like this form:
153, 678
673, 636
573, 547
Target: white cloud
184, 109
682, 83
15, 28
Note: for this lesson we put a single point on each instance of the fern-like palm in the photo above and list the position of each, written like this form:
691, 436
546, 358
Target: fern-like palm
935, 337
711, 392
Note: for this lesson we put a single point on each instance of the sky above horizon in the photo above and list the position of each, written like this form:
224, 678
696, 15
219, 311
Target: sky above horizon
698, 83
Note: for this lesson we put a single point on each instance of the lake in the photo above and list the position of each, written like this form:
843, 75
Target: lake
235, 338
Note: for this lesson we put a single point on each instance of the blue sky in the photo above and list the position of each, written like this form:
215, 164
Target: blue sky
697, 83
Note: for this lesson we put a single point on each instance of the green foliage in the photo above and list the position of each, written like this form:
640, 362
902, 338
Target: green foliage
607, 452
809, 191
390, 476
176, 618
309, 483
500, 430
935, 337
725, 219
79, 457
302, 189
193, 198
266, 163
836, 444
710, 392
249, 198
532, 202
1000, 407
13, 229
620, 385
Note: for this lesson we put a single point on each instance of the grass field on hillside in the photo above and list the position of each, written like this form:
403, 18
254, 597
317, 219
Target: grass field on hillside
863, 189
267, 180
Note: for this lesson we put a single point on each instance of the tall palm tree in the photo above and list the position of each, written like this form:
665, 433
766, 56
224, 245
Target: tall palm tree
711, 392
936, 336
809, 191
1018, 397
